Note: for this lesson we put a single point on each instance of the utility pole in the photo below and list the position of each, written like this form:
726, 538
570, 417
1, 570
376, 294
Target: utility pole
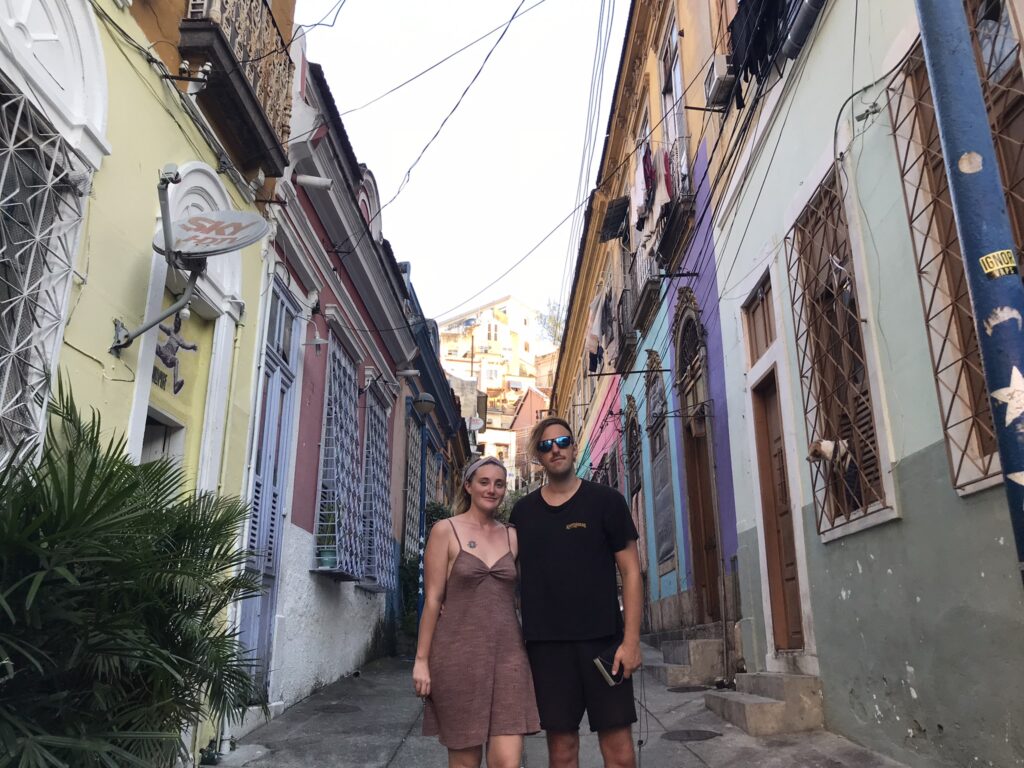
986, 240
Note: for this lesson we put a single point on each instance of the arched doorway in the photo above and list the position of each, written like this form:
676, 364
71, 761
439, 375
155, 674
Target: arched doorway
698, 458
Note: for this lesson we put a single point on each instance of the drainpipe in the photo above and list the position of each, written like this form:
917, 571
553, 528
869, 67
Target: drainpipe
802, 26
986, 240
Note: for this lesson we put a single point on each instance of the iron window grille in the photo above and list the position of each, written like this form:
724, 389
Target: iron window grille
42, 182
379, 567
953, 342
691, 383
413, 471
339, 528
830, 355
661, 471
435, 492
634, 452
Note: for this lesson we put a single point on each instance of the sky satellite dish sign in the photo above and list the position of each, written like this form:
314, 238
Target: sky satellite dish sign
474, 423
212, 233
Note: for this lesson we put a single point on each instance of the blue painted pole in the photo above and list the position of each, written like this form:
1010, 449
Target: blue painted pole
423, 513
986, 240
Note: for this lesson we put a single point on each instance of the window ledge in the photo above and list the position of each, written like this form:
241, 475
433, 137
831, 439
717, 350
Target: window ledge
333, 573
980, 485
862, 523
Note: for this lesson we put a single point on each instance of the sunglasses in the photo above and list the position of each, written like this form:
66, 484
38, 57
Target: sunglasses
562, 442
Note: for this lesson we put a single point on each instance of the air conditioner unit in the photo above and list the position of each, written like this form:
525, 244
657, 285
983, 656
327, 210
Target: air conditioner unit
720, 81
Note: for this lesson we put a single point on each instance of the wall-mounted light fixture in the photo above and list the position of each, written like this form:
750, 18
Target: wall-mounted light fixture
424, 403
313, 182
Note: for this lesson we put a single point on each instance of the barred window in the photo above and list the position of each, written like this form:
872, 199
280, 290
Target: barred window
413, 442
339, 527
966, 413
379, 566
41, 182
661, 464
847, 476
634, 453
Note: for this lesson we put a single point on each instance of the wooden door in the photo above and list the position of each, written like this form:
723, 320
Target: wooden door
703, 528
780, 546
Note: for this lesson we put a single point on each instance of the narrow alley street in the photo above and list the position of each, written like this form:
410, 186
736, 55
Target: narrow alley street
514, 337
374, 721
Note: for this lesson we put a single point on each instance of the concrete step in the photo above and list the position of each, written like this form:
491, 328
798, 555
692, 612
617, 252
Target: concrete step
801, 694
757, 715
797, 700
689, 662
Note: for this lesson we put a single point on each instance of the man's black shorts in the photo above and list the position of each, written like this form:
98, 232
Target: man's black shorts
567, 683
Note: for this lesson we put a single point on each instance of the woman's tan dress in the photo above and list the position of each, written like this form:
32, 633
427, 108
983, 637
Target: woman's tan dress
480, 681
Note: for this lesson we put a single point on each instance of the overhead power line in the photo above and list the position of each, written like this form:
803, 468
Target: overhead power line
408, 173
435, 65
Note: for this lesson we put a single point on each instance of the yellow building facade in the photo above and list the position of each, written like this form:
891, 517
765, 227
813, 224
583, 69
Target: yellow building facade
98, 118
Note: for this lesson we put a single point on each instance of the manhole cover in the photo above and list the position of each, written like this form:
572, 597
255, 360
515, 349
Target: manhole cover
690, 735
687, 689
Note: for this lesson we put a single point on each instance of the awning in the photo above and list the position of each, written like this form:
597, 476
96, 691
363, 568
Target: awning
614, 218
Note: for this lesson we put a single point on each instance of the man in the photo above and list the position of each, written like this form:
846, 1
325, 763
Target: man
572, 536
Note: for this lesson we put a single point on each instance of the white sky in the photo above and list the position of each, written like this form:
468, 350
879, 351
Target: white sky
504, 170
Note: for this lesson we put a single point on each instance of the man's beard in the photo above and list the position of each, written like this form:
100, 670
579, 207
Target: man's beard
562, 474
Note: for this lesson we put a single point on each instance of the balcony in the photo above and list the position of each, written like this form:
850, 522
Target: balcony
676, 219
248, 96
625, 333
644, 278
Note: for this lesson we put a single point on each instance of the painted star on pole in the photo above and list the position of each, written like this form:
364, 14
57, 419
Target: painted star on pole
1013, 396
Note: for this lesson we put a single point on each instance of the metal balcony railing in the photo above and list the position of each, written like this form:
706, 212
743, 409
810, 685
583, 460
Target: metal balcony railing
260, 51
644, 278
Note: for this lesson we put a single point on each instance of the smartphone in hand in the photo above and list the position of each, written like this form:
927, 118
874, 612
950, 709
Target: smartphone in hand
604, 662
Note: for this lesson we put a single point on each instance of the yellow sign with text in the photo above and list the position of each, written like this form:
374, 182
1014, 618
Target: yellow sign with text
999, 264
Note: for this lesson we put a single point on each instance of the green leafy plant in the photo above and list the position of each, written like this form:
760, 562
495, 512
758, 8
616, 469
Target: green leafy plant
114, 586
409, 570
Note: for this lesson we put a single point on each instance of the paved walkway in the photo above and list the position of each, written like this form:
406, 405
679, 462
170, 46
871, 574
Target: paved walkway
374, 721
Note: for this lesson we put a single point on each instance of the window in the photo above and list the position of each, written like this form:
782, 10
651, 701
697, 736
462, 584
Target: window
834, 379
661, 465
966, 413
675, 159
526, 346
634, 453
413, 447
339, 522
40, 210
613, 469
379, 566
759, 317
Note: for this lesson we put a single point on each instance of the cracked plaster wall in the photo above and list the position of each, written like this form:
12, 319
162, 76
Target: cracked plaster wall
920, 625
324, 630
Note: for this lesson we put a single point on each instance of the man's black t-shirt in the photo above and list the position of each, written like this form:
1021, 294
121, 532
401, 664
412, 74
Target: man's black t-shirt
567, 563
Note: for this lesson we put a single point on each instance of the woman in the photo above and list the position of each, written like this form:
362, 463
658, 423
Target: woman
471, 666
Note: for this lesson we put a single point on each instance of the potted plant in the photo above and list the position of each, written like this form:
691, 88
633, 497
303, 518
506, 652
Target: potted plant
326, 538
